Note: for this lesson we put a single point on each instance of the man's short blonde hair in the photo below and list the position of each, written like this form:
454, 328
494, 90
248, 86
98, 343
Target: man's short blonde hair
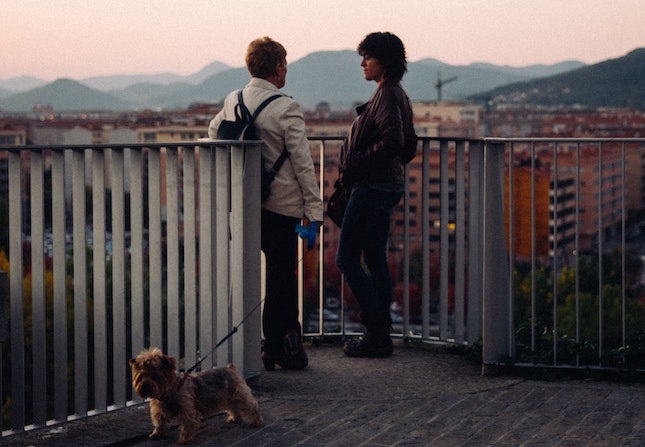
263, 55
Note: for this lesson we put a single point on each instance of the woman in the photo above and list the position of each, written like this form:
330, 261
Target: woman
371, 164
294, 195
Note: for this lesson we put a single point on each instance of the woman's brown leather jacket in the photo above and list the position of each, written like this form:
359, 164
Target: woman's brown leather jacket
372, 153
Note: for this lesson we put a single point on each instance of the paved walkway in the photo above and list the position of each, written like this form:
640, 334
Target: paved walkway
419, 397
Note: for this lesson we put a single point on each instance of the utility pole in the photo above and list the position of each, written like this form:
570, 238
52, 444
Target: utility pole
440, 83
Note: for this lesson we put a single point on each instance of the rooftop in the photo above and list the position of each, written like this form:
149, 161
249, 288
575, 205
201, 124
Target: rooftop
422, 396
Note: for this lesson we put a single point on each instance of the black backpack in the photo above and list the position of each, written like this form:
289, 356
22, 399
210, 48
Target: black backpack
243, 129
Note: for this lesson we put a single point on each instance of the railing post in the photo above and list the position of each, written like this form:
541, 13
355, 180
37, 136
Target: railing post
251, 259
496, 306
475, 243
4, 308
4, 321
16, 307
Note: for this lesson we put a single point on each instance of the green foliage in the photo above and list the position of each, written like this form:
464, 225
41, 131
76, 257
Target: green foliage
51, 338
543, 295
588, 329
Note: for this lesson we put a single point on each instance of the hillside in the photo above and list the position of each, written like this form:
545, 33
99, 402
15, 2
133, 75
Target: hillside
20, 84
64, 94
613, 83
123, 82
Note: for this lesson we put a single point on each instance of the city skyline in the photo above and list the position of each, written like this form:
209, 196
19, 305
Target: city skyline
75, 39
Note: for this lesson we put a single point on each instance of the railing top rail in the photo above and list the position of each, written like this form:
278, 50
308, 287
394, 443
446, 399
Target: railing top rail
562, 140
175, 145
57, 147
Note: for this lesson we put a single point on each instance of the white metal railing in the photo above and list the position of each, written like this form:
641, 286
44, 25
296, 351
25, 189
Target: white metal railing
563, 278
102, 234
510, 221
117, 248
439, 219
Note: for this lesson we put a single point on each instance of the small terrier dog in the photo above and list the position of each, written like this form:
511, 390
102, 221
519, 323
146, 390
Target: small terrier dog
190, 397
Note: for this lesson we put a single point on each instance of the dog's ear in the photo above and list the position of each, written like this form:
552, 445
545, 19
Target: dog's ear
131, 362
169, 362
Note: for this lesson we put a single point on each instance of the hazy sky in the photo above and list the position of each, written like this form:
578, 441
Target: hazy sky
51, 39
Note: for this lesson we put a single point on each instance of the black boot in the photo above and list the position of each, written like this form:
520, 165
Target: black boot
376, 341
272, 354
291, 354
295, 356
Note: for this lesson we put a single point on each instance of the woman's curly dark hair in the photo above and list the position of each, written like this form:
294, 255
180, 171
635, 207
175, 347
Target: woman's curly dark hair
263, 55
388, 50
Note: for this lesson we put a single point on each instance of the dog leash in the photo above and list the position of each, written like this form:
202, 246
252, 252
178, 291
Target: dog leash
230, 334
221, 342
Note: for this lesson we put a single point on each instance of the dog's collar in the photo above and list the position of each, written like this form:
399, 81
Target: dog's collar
185, 377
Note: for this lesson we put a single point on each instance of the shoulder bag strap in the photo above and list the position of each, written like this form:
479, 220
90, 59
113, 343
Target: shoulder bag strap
278, 163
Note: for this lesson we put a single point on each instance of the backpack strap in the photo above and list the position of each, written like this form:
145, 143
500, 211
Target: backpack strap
245, 110
283, 156
241, 111
263, 105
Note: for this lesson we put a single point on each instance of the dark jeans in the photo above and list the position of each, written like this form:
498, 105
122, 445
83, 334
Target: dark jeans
364, 231
279, 244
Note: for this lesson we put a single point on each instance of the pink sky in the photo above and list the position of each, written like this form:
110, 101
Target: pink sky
51, 39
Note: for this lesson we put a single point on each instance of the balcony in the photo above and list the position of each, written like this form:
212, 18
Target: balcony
115, 248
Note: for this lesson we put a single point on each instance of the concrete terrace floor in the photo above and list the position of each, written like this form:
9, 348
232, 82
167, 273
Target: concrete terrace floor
421, 396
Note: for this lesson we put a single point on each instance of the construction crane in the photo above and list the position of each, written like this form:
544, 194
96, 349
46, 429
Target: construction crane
440, 83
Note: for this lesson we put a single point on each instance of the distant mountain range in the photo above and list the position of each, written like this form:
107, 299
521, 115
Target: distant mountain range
333, 77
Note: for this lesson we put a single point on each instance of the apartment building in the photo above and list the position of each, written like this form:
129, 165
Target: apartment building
549, 204
601, 180
13, 133
171, 133
573, 181
447, 119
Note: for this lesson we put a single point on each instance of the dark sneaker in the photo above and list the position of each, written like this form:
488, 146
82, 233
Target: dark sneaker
367, 347
298, 361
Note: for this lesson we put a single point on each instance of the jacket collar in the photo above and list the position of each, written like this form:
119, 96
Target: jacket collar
262, 83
